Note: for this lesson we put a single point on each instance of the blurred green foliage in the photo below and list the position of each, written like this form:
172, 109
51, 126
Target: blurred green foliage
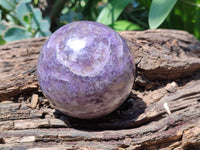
182, 15
21, 19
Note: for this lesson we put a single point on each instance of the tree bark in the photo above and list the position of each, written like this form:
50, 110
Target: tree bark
161, 112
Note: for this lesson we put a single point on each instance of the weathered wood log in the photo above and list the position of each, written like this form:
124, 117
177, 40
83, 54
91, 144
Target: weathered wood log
162, 112
164, 54
17, 63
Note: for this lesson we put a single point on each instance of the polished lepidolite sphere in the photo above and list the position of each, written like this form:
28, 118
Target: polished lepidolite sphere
85, 69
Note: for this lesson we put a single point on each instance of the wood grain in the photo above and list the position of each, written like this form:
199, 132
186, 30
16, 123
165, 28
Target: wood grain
162, 111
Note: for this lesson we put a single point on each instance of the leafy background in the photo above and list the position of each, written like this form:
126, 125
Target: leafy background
21, 19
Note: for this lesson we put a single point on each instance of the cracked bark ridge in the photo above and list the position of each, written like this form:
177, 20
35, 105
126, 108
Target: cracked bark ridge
17, 66
162, 112
164, 54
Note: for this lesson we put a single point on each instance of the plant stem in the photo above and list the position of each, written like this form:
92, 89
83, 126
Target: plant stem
55, 11
57, 7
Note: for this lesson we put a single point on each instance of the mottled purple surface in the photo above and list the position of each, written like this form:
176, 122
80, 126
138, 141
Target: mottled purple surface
85, 70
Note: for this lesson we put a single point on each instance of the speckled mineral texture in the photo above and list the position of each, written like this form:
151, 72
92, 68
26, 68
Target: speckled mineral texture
86, 70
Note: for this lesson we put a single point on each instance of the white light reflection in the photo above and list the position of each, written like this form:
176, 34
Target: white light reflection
76, 44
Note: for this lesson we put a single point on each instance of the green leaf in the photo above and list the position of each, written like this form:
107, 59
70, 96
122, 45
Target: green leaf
42, 34
159, 10
124, 25
47, 33
16, 33
37, 17
26, 1
22, 10
26, 19
12, 18
7, 4
31, 17
112, 11
2, 41
26, 8
35, 2
2, 28
44, 25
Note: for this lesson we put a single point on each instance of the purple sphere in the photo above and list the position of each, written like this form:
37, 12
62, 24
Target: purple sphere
85, 69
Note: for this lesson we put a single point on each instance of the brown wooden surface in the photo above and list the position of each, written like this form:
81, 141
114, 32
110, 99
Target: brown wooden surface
162, 112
